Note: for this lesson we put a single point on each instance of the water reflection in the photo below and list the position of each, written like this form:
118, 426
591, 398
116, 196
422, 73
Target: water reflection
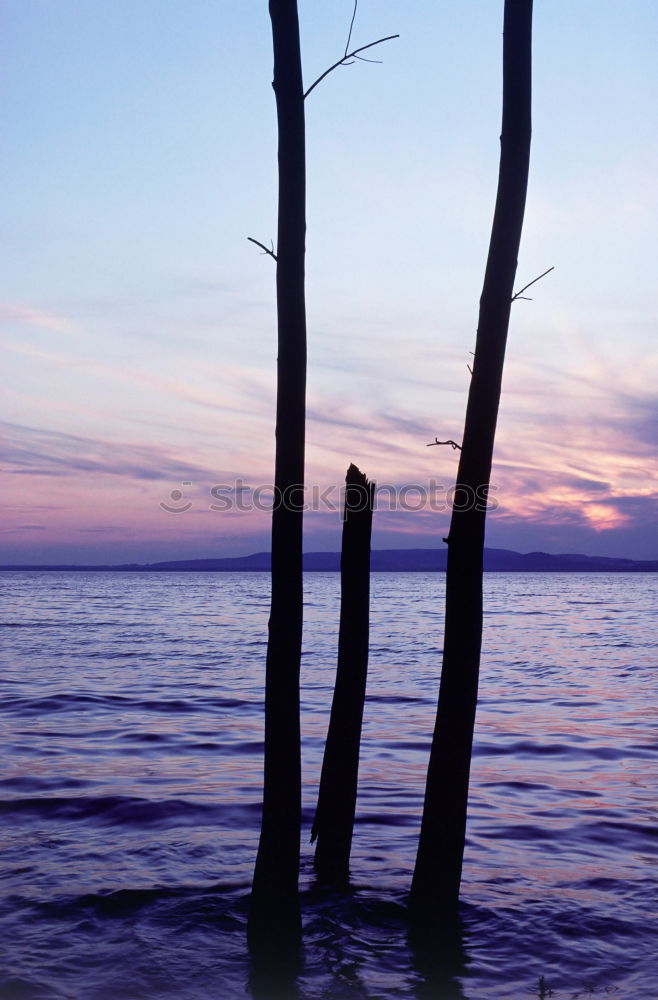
440, 958
274, 942
273, 977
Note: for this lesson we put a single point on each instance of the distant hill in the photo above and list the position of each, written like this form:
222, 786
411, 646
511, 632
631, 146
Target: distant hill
386, 561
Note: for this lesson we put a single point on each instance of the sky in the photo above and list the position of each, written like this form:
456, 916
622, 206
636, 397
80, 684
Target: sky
138, 323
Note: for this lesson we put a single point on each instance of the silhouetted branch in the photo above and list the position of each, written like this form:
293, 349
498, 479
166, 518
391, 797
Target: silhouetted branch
453, 444
519, 295
269, 252
343, 61
349, 33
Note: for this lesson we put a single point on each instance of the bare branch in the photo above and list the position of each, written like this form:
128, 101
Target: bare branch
519, 295
267, 250
453, 444
342, 61
349, 35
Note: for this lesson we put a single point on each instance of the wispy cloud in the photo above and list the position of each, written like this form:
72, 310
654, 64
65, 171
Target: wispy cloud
23, 527
26, 315
38, 452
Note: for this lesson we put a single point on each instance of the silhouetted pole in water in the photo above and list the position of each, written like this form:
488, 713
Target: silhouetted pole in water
334, 818
435, 886
274, 917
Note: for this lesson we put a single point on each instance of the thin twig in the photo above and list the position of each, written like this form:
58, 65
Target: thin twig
267, 250
342, 62
349, 35
519, 294
453, 444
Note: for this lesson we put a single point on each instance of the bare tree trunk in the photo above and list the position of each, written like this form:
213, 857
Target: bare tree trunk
435, 886
334, 818
274, 912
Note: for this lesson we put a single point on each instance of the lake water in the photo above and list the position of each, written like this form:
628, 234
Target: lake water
131, 727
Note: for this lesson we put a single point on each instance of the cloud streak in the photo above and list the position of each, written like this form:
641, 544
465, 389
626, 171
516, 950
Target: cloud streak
37, 452
26, 315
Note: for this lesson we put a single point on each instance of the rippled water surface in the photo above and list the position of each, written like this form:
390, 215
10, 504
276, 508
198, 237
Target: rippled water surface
131, 727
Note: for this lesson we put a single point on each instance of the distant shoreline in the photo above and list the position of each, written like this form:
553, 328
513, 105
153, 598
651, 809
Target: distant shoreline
382, 561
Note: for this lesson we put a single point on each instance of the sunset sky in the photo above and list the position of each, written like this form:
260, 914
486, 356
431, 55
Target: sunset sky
138, 323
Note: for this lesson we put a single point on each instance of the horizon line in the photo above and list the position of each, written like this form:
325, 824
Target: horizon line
599, 561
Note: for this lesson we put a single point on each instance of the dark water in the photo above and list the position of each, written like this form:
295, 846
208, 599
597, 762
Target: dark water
131, 727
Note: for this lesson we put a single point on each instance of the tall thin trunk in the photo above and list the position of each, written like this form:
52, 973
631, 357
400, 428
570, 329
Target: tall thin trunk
437, 876
334, 817
274, 912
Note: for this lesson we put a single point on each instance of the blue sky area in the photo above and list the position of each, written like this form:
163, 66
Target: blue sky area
138, 323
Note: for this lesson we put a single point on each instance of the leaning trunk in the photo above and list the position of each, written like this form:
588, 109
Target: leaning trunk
334, 817
274, 912
437, 875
